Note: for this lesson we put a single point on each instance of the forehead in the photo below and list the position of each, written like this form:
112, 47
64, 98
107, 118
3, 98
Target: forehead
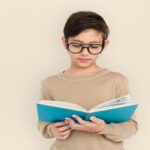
88, 36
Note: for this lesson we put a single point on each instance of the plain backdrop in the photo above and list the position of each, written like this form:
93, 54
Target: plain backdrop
31, 50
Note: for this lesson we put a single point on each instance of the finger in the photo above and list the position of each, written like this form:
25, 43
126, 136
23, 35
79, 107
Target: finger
75, 126
57, 124
64, 128
80, 120
96, 120
85, 123
64, 133
69, 120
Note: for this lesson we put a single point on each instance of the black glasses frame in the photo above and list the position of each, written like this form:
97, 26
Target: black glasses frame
85, 47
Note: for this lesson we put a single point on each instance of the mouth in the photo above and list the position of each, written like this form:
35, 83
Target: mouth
83, 60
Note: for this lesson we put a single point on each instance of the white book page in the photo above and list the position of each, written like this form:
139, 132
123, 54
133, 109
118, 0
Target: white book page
110, 107
62, 104
117, 101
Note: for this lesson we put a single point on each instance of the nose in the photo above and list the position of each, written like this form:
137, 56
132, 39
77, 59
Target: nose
85, 51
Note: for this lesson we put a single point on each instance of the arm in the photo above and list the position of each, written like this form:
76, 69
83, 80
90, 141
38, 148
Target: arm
44, 127
117, 132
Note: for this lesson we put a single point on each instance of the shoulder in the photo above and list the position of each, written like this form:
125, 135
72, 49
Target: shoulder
52, 78
117, 76
120, 83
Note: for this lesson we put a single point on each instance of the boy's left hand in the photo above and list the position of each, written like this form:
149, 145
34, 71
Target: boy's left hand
96, 125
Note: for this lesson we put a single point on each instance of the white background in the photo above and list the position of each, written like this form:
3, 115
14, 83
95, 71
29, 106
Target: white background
31, 50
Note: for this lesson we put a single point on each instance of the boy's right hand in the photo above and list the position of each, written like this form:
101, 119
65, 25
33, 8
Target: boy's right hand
61, 130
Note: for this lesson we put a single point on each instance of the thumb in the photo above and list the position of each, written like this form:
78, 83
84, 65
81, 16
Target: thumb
96, 120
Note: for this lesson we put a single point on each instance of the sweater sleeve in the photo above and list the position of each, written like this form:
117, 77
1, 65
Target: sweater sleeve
45, 127
118, 132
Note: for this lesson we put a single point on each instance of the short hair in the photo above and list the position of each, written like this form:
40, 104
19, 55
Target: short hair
82, 20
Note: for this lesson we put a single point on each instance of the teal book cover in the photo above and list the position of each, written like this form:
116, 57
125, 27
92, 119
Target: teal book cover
116, 110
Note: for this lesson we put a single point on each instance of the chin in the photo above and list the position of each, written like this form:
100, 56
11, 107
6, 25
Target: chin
83, 65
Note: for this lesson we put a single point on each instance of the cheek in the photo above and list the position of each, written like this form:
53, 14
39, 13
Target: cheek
95, 57
74, 56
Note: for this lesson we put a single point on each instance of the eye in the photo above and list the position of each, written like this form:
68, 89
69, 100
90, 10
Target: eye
95, 46
76, 45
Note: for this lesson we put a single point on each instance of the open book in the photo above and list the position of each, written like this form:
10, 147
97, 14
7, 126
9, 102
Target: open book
116, 110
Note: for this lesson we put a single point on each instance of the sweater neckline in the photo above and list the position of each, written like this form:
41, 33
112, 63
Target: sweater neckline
82, 77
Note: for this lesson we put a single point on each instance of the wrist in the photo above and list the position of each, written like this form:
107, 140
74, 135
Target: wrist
102, 128
49, 128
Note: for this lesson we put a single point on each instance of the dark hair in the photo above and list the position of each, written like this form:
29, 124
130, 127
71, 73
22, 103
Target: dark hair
83, 20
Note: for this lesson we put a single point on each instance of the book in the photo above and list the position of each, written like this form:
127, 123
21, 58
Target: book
116, 110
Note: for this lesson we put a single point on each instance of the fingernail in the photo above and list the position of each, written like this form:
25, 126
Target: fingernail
92, 117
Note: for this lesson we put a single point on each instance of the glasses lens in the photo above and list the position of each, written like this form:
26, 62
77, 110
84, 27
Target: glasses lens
95, 48
75, 47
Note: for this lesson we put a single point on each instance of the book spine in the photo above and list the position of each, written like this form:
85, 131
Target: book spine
87, 116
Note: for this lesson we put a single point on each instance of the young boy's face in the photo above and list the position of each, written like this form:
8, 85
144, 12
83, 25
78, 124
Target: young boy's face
89, 36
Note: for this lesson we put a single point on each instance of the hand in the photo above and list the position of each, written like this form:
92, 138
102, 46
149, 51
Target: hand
61, 130
96, 125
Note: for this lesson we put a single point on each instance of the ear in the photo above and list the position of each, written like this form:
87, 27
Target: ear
64, 41
106, 43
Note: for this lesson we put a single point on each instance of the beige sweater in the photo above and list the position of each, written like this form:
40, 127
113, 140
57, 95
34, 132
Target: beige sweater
88, 91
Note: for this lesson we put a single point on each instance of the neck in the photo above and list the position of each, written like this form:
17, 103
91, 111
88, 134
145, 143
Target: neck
74, 70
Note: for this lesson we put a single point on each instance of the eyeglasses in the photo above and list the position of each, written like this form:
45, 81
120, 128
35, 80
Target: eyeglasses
78, 48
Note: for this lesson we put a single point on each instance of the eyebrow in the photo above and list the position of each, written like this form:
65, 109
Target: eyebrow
75, 40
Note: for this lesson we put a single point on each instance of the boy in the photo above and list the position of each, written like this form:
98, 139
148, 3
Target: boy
87, 84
